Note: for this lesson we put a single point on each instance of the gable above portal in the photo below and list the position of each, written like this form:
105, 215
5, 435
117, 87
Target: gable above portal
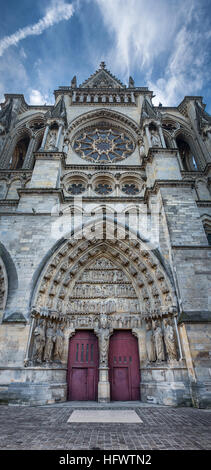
102, 78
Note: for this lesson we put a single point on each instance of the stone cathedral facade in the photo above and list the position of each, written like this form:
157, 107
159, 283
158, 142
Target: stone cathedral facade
105, 274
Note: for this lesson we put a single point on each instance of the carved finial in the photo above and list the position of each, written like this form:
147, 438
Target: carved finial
131, 82
74, 82
102, 65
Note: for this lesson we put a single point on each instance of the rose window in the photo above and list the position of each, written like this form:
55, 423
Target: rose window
103, 145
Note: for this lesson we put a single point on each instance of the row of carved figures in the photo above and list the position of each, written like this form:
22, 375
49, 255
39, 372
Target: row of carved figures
109, 306
160, 340
103, 290
48, 341
98, 275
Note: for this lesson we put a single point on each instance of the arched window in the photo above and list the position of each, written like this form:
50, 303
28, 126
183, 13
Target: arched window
186, 154
19, 153
207, 228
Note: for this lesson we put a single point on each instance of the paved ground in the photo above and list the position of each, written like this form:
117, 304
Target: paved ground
46, 427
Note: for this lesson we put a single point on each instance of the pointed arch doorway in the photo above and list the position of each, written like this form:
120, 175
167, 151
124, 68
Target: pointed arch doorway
124, 368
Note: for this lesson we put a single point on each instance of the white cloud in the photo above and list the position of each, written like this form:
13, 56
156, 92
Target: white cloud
161, 39
13, 75
142, 29
36, 98
185, 73
58, 11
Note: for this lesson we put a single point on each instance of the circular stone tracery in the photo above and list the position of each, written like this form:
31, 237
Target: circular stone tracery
103, 145
75, 188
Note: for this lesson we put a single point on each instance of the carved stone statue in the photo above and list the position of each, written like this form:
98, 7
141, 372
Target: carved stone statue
103, 340
170, 340
159, 345
39, 341
141, 148
50, 340
150, 343
51, 144
66, 146
155, 139
59, 343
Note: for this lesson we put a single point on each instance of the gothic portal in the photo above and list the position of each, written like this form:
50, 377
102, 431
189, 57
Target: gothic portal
105, 247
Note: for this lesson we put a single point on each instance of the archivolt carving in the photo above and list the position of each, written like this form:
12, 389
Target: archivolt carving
92, 118
148, 280
3, 285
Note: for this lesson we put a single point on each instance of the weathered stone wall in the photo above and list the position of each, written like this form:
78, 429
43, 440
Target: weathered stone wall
13, 341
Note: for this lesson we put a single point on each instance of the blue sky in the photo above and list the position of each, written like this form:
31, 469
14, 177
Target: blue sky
163, 44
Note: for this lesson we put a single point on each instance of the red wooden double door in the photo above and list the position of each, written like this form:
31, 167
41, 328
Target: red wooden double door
83, 364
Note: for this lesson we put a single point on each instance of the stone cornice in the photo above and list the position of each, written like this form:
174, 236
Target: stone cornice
67, 90
25, 105
14, 172
32, 214
182, 106
10, 202
106, 199
105, 104
191, 247
38, 191
50, 156
203, 203
195, 316
100, 167
167, 184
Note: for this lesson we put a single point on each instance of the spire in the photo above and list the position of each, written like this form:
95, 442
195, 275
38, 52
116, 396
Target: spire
59, 111
6, 115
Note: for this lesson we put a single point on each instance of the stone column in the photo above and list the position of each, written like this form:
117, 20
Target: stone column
178, 339
27, 159
125, 98
202, 151
141, 336
132, 97
187, 352
59, 136
161, 136
103, 342
44, 138
148, 135
103, 385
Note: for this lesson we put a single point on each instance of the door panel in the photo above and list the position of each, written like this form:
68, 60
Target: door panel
121, 388
124, 370
79, 384
83, 366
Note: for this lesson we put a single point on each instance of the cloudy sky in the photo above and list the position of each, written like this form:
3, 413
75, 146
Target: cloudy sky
162, 44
